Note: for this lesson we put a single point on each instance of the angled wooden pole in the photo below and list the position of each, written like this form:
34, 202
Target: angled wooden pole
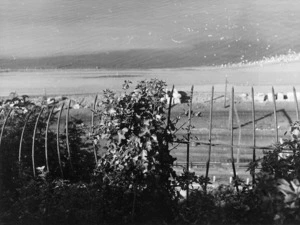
296, 103
21, 142
33, 141
92, 125
240, 135
169, 109
93, 112
254, 135
169, 116
22, 135
4, 124
231, 137
1, 151
188, 140
275, 115
67, 135
57, 140
209, 135
225, 93
46, 139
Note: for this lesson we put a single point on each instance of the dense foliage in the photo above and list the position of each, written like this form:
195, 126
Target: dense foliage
137, 161
133, 179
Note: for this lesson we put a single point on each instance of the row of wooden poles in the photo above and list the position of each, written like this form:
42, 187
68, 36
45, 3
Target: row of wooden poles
46, 135
231, 145
188, 142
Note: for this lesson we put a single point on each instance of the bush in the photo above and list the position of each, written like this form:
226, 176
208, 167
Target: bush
137, 163
284, 161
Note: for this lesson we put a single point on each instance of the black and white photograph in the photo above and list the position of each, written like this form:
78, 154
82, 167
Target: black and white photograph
146, 112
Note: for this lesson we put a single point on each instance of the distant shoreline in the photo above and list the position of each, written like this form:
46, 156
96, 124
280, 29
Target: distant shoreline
283, 76
116, 63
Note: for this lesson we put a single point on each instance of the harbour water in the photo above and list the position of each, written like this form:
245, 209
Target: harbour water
144, 34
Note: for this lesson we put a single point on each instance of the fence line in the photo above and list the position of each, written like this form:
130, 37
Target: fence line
210, 144
270, 147
254, 147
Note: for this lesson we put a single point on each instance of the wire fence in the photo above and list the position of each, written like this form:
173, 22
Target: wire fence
232, 111
209, 143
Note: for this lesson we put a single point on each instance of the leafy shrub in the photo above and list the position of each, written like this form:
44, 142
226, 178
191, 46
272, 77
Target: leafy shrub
278, 179
137, 163
284, 160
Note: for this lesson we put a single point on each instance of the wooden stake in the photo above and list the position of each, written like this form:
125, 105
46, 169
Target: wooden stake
240, 134
169, 109
225, 94
1, 152
231, 142
275, 115
296, 103
67, 135
46, 139
4, 124
169, 116
254, 135
57, 140
33, 140
188, 139
22, 135
209, 135
93, 112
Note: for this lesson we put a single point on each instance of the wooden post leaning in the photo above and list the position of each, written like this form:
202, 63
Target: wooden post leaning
67, 135
21, 141
254, 135
275, 115
231, 139
33, 141
209, 135
1, 151
240, 135
225, 94
188, 140
46, 139
57, 140
296, 103
22, 136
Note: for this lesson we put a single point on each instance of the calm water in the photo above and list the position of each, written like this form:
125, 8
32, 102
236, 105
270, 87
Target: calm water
143, 33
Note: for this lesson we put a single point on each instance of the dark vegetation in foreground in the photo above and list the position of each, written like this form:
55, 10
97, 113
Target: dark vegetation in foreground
133, 181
